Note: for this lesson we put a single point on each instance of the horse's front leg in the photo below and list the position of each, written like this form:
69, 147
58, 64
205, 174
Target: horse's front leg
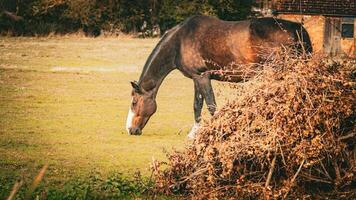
204, 85
203, 91
198, 105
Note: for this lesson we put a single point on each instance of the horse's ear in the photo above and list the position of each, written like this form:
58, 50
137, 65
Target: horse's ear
136, 87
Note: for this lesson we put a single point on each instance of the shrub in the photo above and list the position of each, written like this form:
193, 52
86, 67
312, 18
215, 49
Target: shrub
289, 133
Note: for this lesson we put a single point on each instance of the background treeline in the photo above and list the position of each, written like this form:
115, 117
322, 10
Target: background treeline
95, 17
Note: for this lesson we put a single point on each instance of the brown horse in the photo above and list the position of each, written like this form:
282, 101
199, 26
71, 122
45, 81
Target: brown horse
201, 45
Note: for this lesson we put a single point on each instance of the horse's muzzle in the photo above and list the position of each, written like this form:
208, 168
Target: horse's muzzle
135, 131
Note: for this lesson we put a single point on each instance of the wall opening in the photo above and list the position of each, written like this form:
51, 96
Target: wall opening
347, 27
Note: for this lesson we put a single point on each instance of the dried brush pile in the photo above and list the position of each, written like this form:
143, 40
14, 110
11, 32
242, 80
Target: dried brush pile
290, 134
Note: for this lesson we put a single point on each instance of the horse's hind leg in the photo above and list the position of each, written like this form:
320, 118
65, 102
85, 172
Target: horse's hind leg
198, 105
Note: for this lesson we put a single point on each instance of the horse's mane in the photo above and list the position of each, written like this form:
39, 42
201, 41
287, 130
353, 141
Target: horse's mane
167, 36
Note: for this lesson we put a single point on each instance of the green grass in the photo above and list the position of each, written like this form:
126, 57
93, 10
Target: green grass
64, 101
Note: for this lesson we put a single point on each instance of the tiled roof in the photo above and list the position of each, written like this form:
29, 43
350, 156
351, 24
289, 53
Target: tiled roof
324, 7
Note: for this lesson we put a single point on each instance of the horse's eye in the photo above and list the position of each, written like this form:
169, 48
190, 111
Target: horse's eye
134, 103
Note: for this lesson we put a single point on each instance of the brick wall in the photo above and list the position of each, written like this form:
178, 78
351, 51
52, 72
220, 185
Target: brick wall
314, 24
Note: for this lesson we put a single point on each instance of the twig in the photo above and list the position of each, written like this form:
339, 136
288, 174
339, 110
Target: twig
293, 179
269, 176
36, 181
282, 154
325, 171
12, 16
191, 176
15, 189
313, 178
300, 40
346, 136
337, 173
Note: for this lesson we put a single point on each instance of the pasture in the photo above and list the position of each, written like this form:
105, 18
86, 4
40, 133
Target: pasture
64, 101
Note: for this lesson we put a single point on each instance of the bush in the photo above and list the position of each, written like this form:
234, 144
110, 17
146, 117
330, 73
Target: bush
289, 133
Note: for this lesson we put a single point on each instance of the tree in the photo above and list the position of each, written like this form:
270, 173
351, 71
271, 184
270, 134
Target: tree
173, 12
232, 10
94, 16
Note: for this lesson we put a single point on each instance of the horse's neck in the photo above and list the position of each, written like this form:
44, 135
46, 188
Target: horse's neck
156, 69
161, 62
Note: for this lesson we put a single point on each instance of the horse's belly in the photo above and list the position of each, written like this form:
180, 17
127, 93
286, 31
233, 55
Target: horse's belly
235, 73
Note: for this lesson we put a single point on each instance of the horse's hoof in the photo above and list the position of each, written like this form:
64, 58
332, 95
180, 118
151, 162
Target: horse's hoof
191, 136
193, 131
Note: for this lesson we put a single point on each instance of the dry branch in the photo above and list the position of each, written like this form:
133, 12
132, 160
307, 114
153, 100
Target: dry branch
14, 190
292, 109
293, 179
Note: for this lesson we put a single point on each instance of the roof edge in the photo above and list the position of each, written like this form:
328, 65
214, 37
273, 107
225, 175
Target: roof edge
313, 13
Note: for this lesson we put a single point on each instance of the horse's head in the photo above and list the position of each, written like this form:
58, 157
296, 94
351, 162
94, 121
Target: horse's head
143, 106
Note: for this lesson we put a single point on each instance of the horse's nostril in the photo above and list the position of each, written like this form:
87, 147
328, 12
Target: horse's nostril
135, 131
131, 131
138, 132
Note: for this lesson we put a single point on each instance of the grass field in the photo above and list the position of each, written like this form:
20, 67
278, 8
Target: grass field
63, 102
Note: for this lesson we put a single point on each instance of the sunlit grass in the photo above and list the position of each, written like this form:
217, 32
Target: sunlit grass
63, 102
74, 119
44, 53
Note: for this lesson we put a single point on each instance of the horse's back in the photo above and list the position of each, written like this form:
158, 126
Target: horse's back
272, 32
207, 43
266, 29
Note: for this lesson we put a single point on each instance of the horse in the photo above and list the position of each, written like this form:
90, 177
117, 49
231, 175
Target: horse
200, 45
